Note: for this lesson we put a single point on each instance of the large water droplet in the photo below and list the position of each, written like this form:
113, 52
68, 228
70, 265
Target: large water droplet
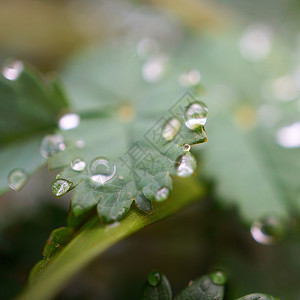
289, 136
218, 277
195, 115
69, 121
154, 68
61, 187
12, 70
171, 129
17, 179
189, 78
267, 231
52, 144
78, 164
155, 278
185, 165
101, 170
162, 194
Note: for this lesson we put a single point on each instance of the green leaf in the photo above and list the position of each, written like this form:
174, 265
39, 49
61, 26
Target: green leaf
202, 288
258, 297
95, 237
29, 108
157, 288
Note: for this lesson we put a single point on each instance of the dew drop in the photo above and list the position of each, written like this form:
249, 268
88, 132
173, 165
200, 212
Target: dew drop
154, 68
69, 121
189, 78
185, 165
17, 179
162, 194
186, 147
195, 115
12, 70
218, 277
171, 129
154, 278
78, 164
267, 230
52, 144
121, 211
289, 136
60, 187
101, 170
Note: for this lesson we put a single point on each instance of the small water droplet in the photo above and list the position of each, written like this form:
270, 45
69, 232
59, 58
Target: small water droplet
162, 194
101, 170
185, 165
289, 136
69, 121
52, 144
171, 129
17, 179
186, 147
60, 187
154, 68
255, 44
218, 277
195, 115
147, 47
78, 164
12, 70
57, 245
267, 230
189, 78
155, 278
121, 211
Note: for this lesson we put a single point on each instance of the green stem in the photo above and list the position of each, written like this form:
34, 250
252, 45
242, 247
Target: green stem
95, 238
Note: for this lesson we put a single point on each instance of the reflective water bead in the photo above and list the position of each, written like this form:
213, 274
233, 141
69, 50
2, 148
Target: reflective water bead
155, 278
189, 78
185, 165
69, 121
186, 147
171, 129
77, 164
17, 179
12, 70
52, 144
162, 194
218, 277
267, 230
195, 115
101, 170
60, 187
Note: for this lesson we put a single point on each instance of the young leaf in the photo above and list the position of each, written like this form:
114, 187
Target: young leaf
28, 109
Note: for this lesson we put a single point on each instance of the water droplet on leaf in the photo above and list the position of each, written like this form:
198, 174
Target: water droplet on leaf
218, 277
78, 164
12, 70
186, 147
155, 278
267, 230
195, 115
61, 187
171, 129
69, 121
185, 165
162, 194
101, 170
17, 179
52, 144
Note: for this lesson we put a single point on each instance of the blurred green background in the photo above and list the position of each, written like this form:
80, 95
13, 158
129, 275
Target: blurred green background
248, 54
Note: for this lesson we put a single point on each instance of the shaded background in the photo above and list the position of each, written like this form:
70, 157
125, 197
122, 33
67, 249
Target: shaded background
202, 237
